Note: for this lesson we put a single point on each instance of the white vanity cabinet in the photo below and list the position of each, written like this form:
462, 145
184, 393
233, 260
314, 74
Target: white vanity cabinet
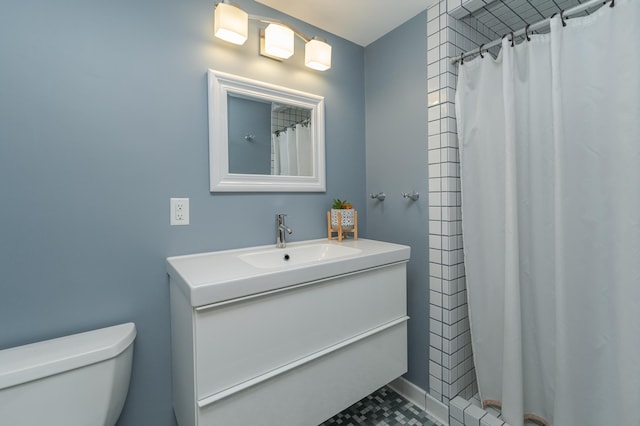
291, 354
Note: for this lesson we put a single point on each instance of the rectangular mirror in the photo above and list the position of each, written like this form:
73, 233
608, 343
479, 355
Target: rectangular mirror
264, 137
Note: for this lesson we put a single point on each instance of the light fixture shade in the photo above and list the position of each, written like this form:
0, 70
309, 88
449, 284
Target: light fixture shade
278, 41
231, 23
317, 55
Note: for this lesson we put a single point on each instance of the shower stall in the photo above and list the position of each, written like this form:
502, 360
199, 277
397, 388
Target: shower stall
550, 217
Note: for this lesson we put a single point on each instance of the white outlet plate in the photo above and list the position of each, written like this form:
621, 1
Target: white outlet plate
179, 214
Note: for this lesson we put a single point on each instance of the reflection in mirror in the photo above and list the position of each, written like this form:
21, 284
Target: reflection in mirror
264, 137
291, 141
268, 138
249, 135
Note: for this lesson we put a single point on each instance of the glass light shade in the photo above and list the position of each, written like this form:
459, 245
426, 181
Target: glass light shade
317, 55
231, 23
278, 41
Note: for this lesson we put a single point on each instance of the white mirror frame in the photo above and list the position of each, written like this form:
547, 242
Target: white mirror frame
220, 86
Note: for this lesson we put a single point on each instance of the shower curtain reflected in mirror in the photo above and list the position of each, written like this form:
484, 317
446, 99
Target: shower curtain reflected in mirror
291, 151
549, 137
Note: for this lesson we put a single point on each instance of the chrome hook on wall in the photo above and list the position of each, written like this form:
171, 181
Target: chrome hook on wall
413, 196
379, 196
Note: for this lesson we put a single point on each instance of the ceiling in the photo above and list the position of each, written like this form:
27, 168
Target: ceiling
359, 21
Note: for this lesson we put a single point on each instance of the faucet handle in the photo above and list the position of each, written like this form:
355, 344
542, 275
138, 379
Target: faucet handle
281, 228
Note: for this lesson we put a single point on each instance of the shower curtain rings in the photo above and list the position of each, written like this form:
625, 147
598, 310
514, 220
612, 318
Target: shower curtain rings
512, 40
462, 58
526, 32
612, 3
480, 51
564, 24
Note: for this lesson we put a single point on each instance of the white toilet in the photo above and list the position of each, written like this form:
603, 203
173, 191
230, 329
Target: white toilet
80, 379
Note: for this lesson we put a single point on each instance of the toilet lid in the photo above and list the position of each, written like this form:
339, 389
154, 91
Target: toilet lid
22, 364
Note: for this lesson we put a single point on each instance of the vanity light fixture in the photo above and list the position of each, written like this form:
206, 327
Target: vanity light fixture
317, 54
276, 41
231, 23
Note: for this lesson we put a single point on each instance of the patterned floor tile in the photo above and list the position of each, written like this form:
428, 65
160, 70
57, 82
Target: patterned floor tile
384, 407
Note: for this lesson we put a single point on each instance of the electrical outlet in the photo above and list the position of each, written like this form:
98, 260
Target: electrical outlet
179, 211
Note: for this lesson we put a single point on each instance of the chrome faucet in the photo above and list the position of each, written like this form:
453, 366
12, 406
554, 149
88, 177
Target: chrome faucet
281, 228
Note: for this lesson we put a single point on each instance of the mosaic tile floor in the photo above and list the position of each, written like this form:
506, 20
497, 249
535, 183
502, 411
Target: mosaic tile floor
384, 407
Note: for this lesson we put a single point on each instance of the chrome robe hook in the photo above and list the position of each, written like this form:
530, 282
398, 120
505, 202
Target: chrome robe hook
413, 196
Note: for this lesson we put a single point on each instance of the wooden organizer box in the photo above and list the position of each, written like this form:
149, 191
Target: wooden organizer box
342, 233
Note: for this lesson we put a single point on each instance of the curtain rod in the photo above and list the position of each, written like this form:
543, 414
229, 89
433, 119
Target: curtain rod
304, 122
540, 24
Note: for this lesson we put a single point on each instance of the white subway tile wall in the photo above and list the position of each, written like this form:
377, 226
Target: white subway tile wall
506, 16
490, 420
465, 413
472, 415
284, 117
451, 370
461, 8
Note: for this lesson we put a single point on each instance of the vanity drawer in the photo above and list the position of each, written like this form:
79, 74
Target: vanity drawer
309, 394
245, 338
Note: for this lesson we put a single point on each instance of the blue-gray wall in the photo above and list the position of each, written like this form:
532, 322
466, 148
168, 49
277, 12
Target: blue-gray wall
396, 123
103, 118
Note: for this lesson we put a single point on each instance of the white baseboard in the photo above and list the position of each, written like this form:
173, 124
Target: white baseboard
415, 395
438, 411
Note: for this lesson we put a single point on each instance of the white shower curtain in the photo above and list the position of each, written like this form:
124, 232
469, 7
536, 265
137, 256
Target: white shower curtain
549, 137
291, 151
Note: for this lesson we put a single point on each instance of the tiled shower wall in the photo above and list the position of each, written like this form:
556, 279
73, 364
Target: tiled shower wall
451, 370
282, 118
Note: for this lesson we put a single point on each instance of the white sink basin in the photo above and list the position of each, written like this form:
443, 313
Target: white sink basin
296, 255
207, 278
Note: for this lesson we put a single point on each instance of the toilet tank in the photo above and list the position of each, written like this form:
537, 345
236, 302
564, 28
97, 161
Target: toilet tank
81, 379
